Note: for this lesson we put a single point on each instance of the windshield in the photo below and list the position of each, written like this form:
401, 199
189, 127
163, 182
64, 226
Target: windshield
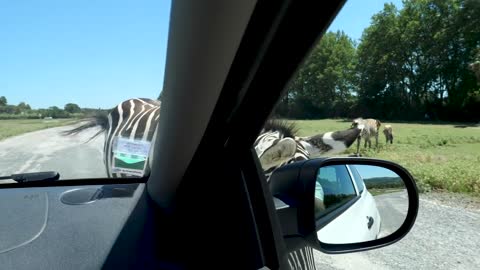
70, 64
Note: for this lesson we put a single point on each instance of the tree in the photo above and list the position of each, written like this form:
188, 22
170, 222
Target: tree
72, 108
23, 107
324, 85
55, 112
416, 60
3, 101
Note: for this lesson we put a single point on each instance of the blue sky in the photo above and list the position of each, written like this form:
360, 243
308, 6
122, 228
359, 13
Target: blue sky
93, 53
99, 53
367, 171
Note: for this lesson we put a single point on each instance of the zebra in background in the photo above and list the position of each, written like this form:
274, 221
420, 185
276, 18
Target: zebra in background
370, 128
388, 132
133, 119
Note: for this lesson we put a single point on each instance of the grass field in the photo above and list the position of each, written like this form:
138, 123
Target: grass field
9, 128
439, 156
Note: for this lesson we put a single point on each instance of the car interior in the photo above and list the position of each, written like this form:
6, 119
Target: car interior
206, 202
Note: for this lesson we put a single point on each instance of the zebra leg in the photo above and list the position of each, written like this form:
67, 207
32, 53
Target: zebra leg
302, 259
358, 145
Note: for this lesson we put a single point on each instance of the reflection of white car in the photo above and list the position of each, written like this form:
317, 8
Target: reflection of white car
350, 214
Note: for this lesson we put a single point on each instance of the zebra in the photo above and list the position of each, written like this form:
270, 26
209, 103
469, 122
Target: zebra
369, 128
278, 144
388, 132
134, 119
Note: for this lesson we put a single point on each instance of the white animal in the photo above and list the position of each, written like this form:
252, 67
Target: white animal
388, 132
370, 128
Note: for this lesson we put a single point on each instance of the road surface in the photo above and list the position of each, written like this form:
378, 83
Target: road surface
393, 209
49, 150
446, 234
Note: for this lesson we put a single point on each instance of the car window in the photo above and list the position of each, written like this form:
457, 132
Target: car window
80, 86
407, 73
357, 178
334, 188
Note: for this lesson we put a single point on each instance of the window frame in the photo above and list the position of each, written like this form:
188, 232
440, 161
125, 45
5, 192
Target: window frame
350, 170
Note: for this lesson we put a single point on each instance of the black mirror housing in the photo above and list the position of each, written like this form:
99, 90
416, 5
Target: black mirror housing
293, 189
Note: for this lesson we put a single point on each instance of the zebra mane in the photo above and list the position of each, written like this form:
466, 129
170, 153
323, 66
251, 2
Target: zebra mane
288, 129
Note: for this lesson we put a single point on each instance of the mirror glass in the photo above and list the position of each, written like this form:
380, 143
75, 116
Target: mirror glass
358, 203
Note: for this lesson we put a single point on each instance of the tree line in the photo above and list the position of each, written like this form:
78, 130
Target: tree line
415, 63
24, 111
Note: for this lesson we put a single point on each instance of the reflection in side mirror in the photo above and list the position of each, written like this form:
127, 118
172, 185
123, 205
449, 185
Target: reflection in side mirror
344, 204
358, 203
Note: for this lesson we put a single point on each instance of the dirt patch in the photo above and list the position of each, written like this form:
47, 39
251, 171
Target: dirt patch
453, 200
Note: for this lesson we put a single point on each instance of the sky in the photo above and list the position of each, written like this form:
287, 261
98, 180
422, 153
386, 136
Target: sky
356, 14
368, 171
93, 53
98, 53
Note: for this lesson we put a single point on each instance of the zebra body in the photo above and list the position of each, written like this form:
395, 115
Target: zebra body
369, 128
134, 120
278, 145
388, 132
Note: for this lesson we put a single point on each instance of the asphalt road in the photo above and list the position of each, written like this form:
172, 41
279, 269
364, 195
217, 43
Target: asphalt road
446, 234
49, 150
393, 208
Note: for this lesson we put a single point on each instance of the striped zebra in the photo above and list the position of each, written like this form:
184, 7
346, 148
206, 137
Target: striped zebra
278, 145
135, 119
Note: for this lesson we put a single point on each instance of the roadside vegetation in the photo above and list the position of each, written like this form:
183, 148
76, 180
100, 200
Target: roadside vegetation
10, 128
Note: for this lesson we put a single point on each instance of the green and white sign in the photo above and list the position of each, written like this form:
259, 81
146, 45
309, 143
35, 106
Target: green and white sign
130, 156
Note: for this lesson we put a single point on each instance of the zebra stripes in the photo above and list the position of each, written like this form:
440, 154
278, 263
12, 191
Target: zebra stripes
274, 150
278, 145
135, 119
301, 259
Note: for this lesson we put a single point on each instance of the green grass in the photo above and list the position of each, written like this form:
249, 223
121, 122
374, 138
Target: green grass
9, 128
439, 156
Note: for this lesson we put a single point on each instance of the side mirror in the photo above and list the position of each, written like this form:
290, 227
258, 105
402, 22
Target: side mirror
342, 205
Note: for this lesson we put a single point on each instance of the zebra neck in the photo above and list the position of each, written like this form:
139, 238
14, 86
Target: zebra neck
322, 144
309, 147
